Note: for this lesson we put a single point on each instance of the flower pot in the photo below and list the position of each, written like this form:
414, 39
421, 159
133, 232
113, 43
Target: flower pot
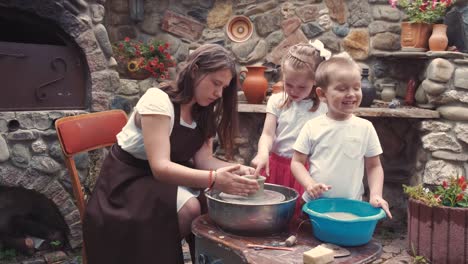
438, 40
126, 68
437, 233
255, 84
414, 36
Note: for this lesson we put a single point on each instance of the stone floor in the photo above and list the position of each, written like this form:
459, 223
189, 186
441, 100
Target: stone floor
394, 248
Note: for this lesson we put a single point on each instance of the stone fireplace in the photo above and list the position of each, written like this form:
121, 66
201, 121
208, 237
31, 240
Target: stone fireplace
57, 61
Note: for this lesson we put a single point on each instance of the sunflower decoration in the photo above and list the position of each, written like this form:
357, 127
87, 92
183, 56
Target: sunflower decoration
134, 65
151, 58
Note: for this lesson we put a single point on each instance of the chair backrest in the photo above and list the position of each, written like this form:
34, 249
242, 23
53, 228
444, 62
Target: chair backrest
85, 132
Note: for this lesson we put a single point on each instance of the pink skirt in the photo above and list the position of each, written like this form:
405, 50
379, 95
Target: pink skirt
280, 173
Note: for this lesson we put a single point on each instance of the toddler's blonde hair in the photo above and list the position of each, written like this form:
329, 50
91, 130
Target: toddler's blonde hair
325, 70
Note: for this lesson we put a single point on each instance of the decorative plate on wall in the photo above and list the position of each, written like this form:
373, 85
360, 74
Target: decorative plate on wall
239, 28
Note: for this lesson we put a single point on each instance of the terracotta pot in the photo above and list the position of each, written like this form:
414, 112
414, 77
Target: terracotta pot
255, 84
414, 36
438, 40
277, 87
438, 233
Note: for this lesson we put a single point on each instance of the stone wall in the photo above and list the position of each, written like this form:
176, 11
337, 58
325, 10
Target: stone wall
360, 27
415, 150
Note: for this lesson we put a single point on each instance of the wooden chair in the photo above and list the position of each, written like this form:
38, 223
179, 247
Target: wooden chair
84, 133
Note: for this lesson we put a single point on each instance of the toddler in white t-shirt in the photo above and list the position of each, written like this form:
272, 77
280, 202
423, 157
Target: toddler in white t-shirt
339, 145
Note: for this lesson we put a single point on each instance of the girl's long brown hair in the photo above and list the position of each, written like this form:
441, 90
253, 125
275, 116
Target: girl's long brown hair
220, 116
303, 57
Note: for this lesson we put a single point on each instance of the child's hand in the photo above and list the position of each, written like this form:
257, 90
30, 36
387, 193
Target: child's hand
315, 190
245, 170
261, 162
378, 201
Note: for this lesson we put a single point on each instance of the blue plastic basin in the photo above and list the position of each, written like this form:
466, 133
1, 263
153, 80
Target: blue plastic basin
355, 232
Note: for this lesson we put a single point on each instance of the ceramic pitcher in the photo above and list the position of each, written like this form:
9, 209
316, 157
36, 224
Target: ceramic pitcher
438, 40
255, 84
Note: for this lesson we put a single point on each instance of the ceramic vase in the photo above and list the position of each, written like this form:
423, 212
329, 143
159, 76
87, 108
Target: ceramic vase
255, 84
388, 92
368, 90
277, 87
438, 40
410, 92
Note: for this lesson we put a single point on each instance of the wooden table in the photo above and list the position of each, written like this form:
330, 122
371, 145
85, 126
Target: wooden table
213, 245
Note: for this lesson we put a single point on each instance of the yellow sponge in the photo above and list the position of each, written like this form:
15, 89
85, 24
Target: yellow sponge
318, 255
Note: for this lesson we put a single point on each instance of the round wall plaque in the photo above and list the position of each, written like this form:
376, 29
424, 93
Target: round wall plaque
239, 28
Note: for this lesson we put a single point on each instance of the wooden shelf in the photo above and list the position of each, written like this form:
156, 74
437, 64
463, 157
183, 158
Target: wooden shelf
402, 112
420, 54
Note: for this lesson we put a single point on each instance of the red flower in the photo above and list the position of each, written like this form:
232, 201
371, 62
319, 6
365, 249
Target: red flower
445, 184
423, 7
459, 197
151, 56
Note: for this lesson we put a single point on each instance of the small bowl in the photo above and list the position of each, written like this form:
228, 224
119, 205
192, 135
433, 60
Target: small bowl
261, 182
343, 232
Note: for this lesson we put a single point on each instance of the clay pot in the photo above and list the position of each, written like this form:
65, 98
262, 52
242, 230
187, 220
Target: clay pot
414, 36
388, 92
255, 84
277, 87
261, 183
438, 40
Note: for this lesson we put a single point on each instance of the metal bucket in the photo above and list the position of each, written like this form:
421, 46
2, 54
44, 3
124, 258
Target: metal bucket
253, 219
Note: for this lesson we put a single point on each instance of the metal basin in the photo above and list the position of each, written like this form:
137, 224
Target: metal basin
253, 219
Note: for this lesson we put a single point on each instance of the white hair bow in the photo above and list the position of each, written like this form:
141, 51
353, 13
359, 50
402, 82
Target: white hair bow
317, 44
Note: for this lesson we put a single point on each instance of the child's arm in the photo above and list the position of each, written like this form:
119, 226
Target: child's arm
375, 178
301, 174
265, 143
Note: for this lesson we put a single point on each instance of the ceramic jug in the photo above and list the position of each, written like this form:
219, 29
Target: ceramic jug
438, 40
388, 92
368, 90
255, 84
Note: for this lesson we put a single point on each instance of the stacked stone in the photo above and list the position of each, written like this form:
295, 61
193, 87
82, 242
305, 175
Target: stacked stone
446, 140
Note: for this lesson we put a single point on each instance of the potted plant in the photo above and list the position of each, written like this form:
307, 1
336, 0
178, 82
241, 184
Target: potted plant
139, 60
437, 221
422, 14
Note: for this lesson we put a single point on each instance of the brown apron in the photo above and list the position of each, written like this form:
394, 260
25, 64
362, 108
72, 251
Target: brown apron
131, 217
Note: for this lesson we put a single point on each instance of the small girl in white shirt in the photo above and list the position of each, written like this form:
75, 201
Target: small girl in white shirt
286, 113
